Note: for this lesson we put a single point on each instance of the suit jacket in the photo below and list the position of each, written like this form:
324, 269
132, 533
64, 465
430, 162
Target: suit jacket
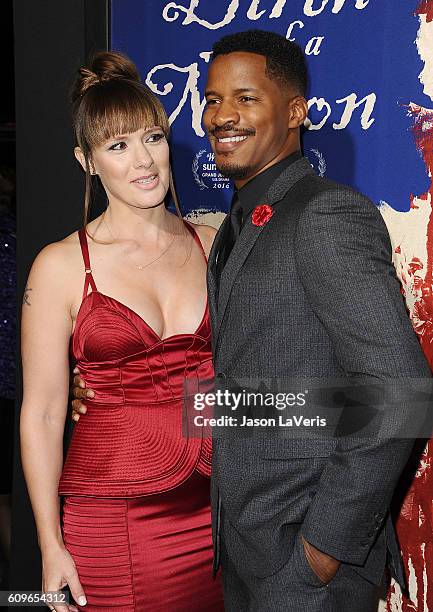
312, 294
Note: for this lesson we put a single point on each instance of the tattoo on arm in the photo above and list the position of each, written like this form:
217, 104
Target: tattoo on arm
26, 296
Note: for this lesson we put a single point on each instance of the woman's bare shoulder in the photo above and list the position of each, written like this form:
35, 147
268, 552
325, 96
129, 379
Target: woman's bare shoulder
58, 262
57, 254
206, 234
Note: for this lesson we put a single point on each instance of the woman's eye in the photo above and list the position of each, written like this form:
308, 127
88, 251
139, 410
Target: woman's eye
156, 137
118, 146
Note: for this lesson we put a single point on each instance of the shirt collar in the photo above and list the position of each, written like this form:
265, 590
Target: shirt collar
251, 194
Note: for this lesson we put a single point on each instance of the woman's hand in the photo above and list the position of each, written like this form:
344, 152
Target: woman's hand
58, 571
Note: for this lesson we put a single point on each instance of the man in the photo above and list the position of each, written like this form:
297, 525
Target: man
301, 289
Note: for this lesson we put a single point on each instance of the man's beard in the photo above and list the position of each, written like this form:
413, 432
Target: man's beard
228, 169
234, 171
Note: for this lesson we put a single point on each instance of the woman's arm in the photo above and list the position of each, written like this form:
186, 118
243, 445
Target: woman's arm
46, 331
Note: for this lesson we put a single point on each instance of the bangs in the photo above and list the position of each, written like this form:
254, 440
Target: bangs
118, 107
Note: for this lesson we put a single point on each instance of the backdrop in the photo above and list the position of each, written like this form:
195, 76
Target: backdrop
371, 85
52, 39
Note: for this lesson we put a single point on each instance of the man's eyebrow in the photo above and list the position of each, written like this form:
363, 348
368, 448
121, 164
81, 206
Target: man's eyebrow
210, 92
245, 90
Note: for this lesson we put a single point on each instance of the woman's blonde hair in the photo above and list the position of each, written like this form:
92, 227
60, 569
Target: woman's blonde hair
108, 99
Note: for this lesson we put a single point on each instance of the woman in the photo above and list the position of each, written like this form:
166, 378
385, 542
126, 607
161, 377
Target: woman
128, 291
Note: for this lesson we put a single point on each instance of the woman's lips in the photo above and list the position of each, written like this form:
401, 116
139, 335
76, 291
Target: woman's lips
146, 183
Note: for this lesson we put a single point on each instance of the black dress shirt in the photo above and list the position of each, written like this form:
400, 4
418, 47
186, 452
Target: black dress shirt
252, 193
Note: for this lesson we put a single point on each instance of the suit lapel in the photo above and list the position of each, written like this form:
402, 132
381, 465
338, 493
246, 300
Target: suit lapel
212, 284
240, 251
289, 177
250, 232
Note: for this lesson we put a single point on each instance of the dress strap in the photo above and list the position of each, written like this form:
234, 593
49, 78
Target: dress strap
196, 237
85, 252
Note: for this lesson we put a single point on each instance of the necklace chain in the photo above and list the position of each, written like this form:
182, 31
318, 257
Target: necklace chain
143, 266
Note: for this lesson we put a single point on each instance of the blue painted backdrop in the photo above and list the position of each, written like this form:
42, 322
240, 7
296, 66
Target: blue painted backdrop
356, 49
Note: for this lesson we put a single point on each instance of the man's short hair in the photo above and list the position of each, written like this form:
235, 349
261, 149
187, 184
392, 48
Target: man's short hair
285, 60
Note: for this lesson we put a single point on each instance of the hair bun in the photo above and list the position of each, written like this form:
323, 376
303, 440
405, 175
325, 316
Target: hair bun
105, 66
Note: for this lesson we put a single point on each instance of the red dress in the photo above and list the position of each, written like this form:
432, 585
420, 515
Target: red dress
136, 517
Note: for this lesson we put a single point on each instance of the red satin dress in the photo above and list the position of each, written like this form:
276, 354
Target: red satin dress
136, 516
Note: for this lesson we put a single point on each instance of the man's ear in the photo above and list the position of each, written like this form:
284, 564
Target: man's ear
298, 112
79, 156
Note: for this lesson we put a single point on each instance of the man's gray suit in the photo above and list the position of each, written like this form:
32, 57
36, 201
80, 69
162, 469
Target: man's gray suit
312, 294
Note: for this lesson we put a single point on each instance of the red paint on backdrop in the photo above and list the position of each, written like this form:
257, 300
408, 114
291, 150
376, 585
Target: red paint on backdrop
425, 8
412, 201
422, 315
415, 522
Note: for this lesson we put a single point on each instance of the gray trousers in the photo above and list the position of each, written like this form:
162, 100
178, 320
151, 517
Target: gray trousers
296, 588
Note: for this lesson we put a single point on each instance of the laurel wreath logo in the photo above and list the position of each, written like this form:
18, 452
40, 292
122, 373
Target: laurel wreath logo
321, 161
194, 168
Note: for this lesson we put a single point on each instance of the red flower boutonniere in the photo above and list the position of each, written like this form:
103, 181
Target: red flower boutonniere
262, 214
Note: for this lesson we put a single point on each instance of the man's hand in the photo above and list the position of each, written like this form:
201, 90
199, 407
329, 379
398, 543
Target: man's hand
324, 566
79, 392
